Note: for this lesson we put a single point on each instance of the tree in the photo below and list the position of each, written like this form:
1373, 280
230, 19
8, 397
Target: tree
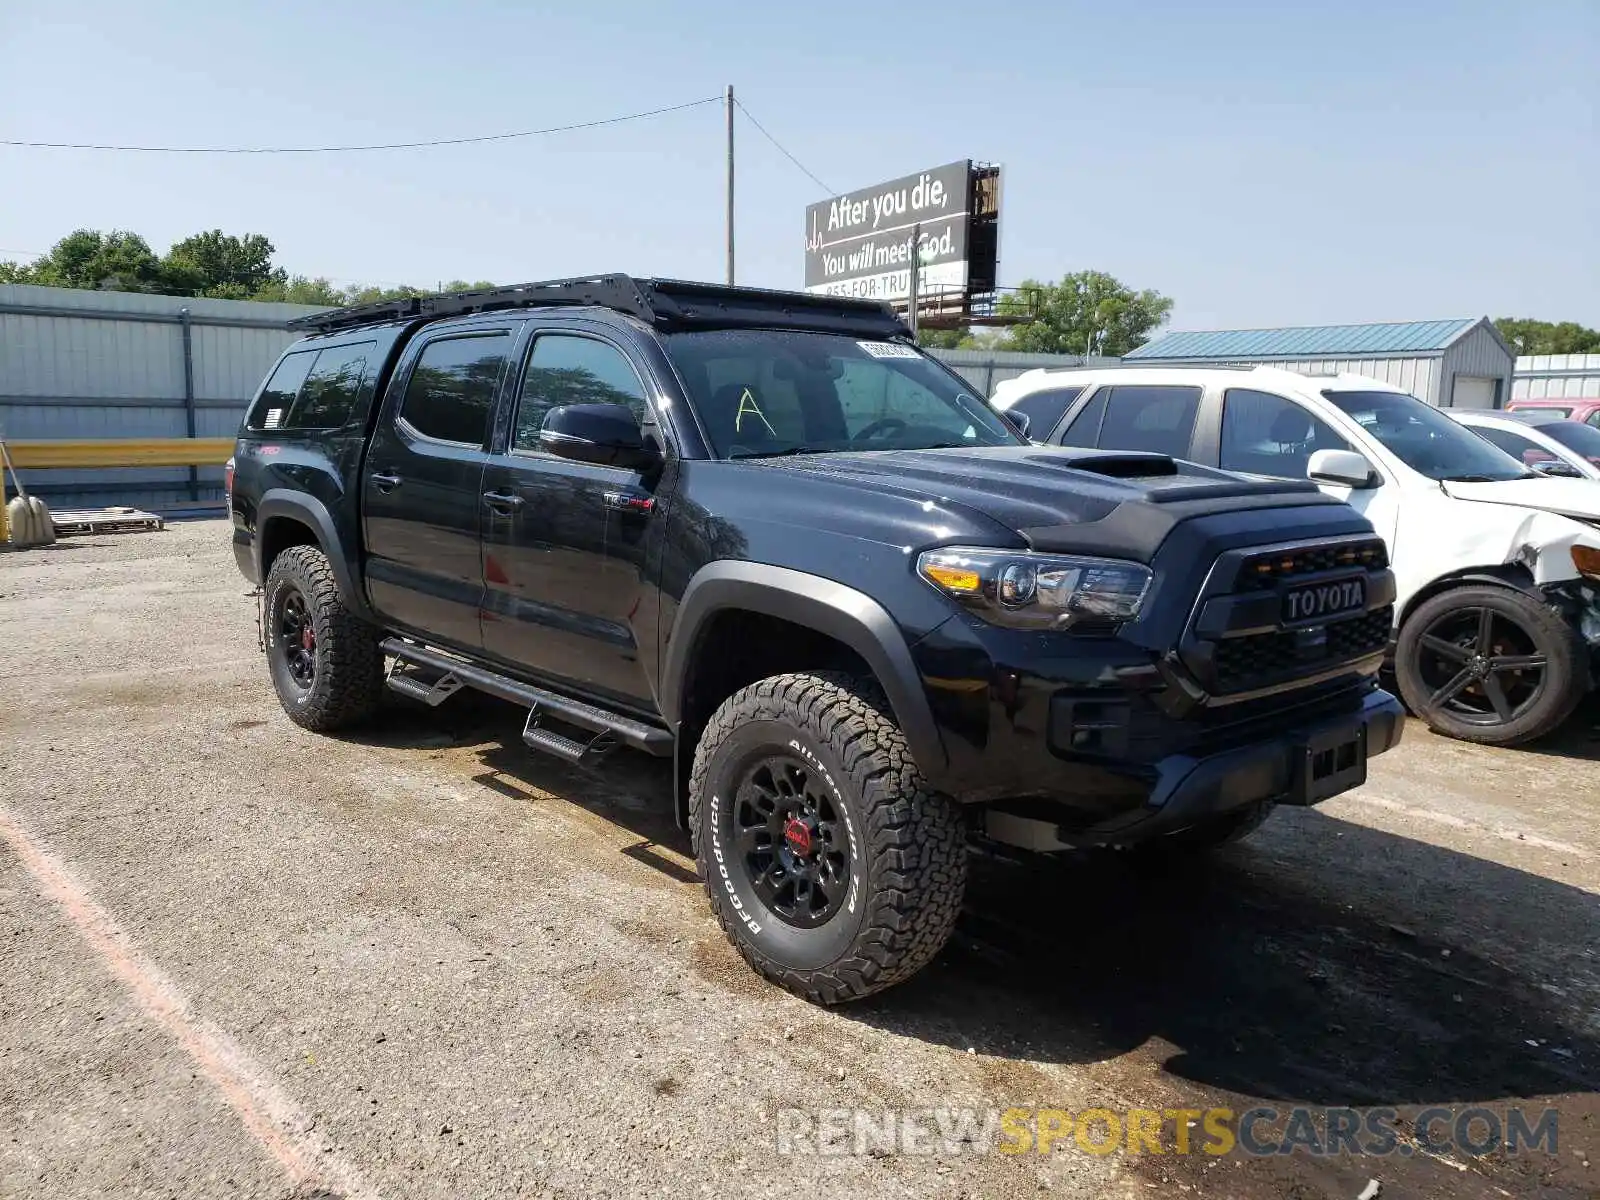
944, 339
215, 264
1528, 336
221, 265
299, 290
1089, 312
15, 272
86, 258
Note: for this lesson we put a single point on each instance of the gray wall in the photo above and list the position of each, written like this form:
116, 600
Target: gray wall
1541, 375
1479, 354
77, 364
985, 368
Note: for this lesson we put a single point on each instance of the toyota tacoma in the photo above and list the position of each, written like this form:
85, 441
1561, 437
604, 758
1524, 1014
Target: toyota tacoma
765, 536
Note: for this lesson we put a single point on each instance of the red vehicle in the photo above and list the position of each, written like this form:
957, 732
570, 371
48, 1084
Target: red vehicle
1573, 408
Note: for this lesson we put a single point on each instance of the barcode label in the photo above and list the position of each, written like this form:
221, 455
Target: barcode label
888, 350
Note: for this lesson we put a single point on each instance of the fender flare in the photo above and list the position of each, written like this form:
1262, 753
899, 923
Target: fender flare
848, 616
1508, 575
309, 511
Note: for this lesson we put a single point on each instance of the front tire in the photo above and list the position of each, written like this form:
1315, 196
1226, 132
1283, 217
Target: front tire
1489, 665
325, 662
831, 865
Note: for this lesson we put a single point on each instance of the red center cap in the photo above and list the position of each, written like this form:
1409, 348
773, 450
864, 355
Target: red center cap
798, 834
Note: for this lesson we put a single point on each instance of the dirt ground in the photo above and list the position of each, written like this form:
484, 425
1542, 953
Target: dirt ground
238, 959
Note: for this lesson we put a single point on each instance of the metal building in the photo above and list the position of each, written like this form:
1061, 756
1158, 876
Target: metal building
985, 368
1452, 364
77, 364
1567, 376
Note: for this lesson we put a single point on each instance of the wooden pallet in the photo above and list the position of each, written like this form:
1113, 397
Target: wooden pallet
104, 520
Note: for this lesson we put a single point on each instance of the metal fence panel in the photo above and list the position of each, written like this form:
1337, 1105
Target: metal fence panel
79, 364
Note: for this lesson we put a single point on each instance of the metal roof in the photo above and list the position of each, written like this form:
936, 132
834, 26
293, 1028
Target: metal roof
1310, 341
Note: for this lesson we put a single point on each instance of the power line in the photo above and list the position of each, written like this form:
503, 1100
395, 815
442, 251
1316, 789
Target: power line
457, 141
781, 149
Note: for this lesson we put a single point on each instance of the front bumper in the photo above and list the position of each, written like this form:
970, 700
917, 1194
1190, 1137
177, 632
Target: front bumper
1107, 742
1189, 790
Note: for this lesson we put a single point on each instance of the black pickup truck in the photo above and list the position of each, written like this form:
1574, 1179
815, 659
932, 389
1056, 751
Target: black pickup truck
761, 533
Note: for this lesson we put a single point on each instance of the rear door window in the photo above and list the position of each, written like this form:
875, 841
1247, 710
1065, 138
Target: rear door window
451, 392
278, 397
1043, 409
330, 390
1156, 419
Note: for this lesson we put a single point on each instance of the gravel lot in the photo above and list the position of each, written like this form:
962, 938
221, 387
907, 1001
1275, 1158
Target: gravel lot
237, 959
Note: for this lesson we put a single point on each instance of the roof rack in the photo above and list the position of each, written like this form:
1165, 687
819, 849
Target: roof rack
667, 304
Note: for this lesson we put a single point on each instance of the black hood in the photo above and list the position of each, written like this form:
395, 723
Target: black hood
1061, 499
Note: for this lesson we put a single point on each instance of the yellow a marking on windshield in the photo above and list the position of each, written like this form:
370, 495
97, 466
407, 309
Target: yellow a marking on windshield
747, 404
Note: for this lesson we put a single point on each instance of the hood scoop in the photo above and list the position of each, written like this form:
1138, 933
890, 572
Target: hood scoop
1120, 465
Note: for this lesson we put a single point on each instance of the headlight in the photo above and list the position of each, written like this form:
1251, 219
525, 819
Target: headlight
1587, 561
1036, 591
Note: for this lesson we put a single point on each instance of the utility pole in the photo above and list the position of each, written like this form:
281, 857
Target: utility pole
916, 280
730, 184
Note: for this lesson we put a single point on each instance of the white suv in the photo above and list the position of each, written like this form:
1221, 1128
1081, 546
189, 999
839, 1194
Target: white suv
1498, 615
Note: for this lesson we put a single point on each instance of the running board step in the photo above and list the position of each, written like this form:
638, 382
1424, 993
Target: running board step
432, 693
539, 737
613, 726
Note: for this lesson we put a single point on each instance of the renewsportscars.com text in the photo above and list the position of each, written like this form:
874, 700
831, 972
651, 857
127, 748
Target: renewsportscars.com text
1261, 1131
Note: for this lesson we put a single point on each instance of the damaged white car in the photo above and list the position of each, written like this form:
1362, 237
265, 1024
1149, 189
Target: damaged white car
1498, 615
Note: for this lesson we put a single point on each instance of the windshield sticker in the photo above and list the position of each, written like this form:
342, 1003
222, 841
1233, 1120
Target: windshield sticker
888, 350
749, 407
274, 418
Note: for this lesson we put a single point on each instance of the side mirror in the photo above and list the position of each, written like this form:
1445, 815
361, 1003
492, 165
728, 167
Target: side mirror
1343, 467
1554, 466
1019, 421
605, 434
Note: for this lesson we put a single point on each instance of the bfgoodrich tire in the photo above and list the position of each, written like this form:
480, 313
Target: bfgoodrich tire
325, 662
1490, 665
831, 865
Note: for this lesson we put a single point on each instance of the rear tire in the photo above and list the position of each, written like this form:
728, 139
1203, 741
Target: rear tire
1490, 665
832, 866
325, 662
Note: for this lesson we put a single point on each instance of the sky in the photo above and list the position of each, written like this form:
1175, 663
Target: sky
1263, 164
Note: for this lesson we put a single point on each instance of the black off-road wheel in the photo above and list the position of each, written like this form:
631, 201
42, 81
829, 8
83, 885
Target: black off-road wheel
1489, 665
832, 866
325, 661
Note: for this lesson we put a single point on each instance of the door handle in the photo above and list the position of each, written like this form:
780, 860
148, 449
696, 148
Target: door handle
509, 501
386, 481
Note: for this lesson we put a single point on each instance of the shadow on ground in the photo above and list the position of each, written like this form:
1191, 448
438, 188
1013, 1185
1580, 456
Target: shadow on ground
1323, 977
1578, 737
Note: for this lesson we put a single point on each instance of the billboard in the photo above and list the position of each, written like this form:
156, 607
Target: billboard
861, 244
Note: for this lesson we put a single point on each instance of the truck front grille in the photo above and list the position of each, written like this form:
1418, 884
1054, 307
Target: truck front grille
1267, 570
1243, 664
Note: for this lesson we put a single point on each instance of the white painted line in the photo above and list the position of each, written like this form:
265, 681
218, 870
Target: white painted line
1455, 822
265, 1110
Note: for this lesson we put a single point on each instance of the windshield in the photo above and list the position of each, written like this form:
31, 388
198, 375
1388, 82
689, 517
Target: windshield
762, 392
1426, 440
1584, 440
